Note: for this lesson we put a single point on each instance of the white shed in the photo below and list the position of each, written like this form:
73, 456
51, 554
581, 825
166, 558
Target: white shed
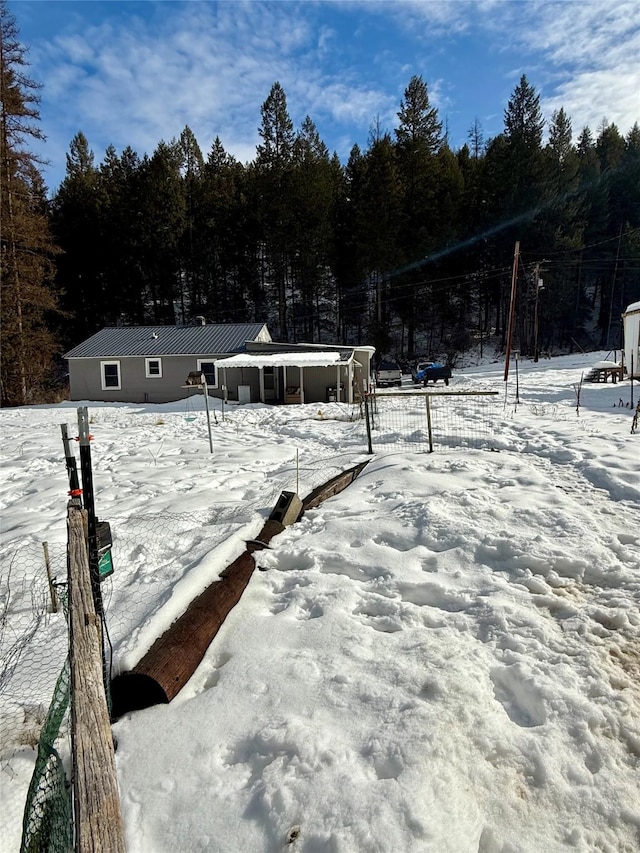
631, 329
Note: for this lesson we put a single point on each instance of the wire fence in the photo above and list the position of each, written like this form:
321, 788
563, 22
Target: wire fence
34, 740
427, 422
48, 822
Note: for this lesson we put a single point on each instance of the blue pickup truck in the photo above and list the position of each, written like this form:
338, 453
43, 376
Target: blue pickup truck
430, 371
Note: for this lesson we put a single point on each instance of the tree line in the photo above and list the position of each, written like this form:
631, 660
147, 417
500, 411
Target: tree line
408, 246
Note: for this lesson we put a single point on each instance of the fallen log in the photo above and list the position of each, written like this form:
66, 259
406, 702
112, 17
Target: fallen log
173, 658
333, 486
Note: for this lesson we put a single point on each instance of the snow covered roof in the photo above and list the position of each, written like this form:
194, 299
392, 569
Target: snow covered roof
287, 359
631, 309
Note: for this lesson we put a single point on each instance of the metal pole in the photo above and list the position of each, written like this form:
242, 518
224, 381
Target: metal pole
206, 405
517, 382
70, 460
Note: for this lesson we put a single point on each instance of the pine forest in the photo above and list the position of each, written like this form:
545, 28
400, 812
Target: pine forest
408, 246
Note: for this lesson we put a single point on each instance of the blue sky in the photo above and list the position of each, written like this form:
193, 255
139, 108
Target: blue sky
134, 73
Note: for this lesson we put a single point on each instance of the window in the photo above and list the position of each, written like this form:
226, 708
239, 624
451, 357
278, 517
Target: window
110, 375
153, 367
208, 367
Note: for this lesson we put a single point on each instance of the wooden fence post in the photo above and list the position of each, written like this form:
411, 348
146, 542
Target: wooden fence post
429, 430
368, 421
98, 819
53, 595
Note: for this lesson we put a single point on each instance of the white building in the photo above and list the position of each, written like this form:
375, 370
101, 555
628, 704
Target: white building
631, 328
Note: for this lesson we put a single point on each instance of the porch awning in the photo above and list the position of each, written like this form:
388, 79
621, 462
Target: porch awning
287, 359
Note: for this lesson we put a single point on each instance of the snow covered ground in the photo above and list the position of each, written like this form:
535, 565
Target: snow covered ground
444, 657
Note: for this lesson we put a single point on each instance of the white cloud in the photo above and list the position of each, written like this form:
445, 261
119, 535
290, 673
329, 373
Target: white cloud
141, 84
433, 17
587, 57
585, 54
587, 100
134, 81
208, 66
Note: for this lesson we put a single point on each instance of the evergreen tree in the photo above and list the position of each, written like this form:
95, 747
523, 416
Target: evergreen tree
630, 170
419, 128
418, 139
77, 229
476, 139
560, 228
274, 171
192, 248
523, 121
313, 190
229, 239
378, 226
122, 226
276, 131
523, 165
348, 254
163, 198
26, 271
514, 172
560, 136
609, 147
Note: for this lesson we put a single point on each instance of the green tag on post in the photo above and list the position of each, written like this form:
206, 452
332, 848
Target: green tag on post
105, 565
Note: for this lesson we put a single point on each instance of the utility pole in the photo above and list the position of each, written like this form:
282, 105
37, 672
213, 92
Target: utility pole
512, 308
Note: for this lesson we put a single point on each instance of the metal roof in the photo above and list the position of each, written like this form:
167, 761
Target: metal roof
211, 339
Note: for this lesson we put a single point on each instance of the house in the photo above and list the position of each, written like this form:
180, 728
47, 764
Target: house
631, 330
151, 364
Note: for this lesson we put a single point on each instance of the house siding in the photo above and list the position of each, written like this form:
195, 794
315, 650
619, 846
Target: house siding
85, 379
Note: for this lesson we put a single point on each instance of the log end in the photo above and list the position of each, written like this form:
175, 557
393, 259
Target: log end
133, 691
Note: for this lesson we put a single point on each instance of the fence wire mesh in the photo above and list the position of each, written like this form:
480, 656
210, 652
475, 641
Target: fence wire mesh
417, 422
33, 739
47, 823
